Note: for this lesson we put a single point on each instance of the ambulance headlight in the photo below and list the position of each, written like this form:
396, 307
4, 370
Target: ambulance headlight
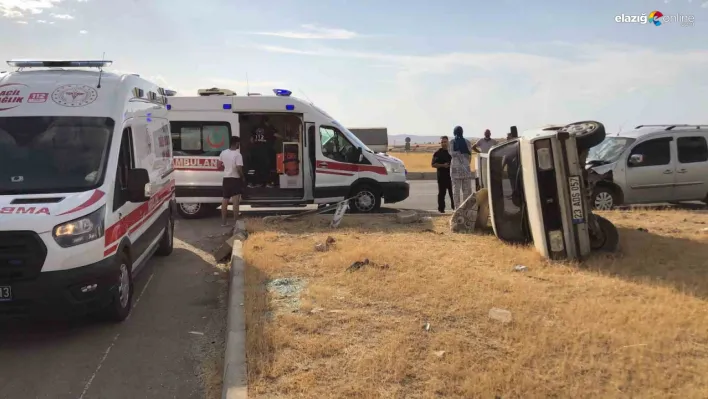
80, 231
392, 167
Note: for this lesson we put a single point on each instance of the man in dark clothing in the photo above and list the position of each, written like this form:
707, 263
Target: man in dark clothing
441, 162
263, 152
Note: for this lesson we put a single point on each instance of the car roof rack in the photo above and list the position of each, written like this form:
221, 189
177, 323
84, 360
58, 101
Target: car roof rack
21, 64
672, 126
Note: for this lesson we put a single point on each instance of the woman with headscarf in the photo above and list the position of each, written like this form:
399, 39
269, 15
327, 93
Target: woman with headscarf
460, 171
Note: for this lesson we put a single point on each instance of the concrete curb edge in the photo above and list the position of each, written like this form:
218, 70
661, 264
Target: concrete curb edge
235, 379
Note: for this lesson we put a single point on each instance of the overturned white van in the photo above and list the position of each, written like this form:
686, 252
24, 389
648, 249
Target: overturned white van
86, 187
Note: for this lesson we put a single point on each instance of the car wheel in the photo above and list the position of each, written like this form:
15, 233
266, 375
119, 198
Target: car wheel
587, 134
603, 199
366, 200
122, 303
609, 242
193, 210
167, 241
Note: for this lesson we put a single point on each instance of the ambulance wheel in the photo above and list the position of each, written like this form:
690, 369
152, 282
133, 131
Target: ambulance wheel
193, 210
366, 199
587, 134
167, 241
122, 302
609, 242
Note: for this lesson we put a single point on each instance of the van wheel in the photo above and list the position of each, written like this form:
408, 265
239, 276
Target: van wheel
192, 210
122, 303
587, 134
366, 199
610, 236
167, 241
603, 199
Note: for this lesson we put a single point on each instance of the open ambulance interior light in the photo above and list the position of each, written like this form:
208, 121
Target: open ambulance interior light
227, 106
290, 107
58, 64
282, 92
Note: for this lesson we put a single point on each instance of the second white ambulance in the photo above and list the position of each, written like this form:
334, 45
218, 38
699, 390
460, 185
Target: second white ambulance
315, 160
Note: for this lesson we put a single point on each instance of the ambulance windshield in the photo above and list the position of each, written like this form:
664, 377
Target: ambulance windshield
41, 155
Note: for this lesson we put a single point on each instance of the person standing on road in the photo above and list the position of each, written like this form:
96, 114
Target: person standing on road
441, 162
460, 172
483, 145
232, 162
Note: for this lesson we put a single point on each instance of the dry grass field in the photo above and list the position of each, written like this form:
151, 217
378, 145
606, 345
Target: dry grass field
419, 161
414, 322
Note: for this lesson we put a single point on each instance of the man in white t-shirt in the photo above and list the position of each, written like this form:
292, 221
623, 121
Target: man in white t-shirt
232, 163
483, 145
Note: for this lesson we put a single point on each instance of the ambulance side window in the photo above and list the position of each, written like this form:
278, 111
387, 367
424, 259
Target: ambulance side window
125, 163
335, 145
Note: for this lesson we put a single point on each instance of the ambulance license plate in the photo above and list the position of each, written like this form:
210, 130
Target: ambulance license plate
5, 293
576, 200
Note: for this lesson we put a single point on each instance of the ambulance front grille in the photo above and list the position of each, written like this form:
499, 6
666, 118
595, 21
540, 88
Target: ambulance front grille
22, 255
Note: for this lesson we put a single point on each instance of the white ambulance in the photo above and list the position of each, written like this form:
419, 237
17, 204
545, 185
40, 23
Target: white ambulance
315, 160
86, 187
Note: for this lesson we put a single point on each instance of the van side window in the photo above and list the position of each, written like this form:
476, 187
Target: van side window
656, 152
336, 146
692, 149
199, 138
125, 163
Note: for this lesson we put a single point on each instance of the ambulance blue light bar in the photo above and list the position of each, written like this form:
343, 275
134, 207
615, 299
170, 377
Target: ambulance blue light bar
169, 107
290, 107
282, 92
58, 64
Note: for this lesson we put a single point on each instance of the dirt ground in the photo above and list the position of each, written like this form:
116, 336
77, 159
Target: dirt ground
436, 314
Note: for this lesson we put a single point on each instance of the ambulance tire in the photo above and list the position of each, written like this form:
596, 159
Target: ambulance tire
193, 210
166, 244
122, 303
366, 199
592, 134
610, 241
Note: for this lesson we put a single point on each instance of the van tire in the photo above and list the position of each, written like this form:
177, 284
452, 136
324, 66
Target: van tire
604, 198
366, 199
120, 306
192, 210
592, 135
610, 242
166, 244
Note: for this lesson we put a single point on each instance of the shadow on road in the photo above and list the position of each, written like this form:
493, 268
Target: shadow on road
646, 257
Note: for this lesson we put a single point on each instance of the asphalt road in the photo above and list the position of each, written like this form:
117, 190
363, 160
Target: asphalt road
170, 347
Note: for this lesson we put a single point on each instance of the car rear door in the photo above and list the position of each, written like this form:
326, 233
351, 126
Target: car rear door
652, 180
691, 167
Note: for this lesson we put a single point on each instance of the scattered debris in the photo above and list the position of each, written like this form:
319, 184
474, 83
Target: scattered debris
323, 247
439, 353
316, 310
196, 333
357, 265
705, 230
643, 229
406, 217
319, 247
286, 293
330, 240
433, 231
500, 315
521, 268
472, 214
224, 251
426, 326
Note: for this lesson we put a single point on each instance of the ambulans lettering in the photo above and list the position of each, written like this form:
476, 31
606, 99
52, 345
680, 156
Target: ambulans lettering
11, 96
15, 210
196, 163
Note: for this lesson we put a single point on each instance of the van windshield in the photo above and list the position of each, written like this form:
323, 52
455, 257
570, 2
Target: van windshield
41, 155
609, 150
352, 137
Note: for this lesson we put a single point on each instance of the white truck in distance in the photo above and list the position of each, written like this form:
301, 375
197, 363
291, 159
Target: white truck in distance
315, 159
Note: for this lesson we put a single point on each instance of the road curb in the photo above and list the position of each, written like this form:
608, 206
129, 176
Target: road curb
235, 382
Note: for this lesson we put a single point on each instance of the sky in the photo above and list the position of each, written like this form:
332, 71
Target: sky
416, 67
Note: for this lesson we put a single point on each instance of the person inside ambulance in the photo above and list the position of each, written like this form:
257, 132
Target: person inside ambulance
263, 153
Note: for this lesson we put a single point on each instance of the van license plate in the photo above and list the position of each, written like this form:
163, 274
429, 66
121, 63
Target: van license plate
5, 293
576, 200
